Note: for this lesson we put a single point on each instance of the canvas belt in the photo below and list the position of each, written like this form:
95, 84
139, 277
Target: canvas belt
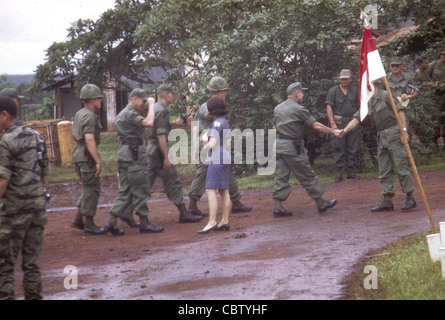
296, 141
134, 147
342, 119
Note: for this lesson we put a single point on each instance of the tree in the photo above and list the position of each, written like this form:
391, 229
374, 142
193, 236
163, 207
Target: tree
97, 49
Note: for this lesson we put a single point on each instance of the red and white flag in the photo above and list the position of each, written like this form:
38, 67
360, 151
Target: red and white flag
371, 68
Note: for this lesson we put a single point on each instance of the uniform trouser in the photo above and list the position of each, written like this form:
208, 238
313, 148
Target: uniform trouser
439, 100
301, 168
170, 179
21, 234
346, 148
197, 188
134, 189
89, 198
391, 158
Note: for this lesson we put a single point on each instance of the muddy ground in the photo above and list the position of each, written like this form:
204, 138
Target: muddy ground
305, 256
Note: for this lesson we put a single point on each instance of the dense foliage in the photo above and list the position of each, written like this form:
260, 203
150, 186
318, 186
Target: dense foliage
259, 46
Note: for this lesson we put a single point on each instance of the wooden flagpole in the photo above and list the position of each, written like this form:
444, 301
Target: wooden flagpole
410, 156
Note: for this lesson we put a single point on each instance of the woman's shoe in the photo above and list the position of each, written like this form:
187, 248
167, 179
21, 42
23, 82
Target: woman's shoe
215, 227
224, 227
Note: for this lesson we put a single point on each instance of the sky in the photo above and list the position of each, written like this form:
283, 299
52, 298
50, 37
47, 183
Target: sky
28, 28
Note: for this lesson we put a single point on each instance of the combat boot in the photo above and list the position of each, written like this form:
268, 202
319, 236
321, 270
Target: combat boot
410, 203
147, 227
77, 221
193, 209
386, 205
351, 174
323, 205
185, 216
237, 206
112, 227
128, 219
339, 176
91, 228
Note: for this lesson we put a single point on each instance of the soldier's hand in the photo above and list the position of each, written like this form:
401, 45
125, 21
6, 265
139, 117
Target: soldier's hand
342, 134
404, 137
98, 169
167, 165
337, 133
151, 101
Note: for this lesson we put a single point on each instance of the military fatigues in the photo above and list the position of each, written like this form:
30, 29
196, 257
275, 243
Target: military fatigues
172, 185
437, 73
399, 87
23, 161
344, 107
290, 118
391, 152
132, 162
86, 121
197, 188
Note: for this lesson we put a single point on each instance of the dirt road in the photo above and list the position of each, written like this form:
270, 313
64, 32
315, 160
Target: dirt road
304, 256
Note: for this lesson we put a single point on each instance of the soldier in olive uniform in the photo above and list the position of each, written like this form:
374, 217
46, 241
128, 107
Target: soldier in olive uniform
218, 88
341, 105
401, 85
436, 72
159, 163
132, 162
86, 134
24, 173
391, 151
290, 119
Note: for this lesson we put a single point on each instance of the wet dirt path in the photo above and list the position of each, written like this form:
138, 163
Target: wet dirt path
305, 256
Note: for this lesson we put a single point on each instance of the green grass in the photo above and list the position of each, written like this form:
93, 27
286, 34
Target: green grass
405, 271
324, 168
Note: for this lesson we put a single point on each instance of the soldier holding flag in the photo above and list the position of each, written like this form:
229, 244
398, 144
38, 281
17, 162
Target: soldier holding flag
391, 152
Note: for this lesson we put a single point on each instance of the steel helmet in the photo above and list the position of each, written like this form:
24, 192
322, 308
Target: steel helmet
90, 91
217, 84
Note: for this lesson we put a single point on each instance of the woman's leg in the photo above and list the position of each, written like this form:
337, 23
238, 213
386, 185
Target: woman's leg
225, 195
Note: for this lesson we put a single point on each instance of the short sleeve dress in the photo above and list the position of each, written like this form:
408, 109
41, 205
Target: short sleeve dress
219, 157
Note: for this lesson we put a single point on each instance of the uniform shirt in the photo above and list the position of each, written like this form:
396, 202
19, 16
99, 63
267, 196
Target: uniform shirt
220, 130
85, 121
383, 118
203, 117
436, 71
400, 86
343, 104
23, 161
290, 119
129, 128
161, 125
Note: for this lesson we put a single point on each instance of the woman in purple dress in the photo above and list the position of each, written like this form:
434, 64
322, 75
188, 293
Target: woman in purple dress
219, 158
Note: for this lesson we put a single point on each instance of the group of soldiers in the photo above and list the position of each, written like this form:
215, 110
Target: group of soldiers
138, 165
25, 168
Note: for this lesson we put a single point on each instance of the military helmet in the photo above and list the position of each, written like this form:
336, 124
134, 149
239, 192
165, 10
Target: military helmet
90, 91
218, 84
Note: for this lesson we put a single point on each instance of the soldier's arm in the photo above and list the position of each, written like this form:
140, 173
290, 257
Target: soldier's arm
402, 119
351, 125
330, 114
150, 118
162, 139
92, 148
322, 128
